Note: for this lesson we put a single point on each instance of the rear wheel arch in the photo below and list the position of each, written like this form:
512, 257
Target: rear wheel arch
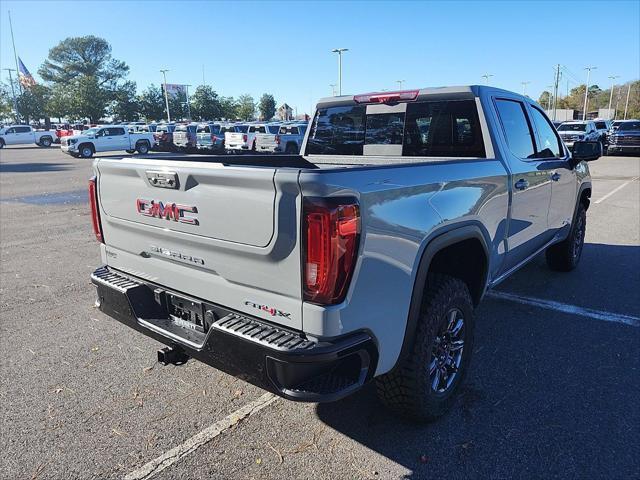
459, 243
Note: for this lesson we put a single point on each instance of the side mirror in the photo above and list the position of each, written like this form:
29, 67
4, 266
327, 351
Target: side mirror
586, 151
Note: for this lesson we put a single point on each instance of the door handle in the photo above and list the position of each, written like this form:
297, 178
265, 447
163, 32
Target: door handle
555, 176
521, 184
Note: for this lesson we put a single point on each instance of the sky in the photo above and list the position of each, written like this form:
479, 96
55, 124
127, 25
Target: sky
284, 48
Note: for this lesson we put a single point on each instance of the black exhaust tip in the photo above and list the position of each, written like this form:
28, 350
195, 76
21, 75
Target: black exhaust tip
173, 356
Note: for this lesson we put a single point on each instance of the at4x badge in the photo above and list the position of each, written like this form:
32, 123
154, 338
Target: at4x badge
274, 312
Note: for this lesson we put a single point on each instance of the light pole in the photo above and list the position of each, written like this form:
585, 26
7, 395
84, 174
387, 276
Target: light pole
186, 94
166, 96
524, 87
400, 82
13, 92
486, 77
339, 51
626, 105
333, 89
586, 92
613, 79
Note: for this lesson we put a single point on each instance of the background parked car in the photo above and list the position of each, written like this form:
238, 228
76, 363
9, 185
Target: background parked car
603, 127
626, 139
571, 132
210, 136
288, 139
25, 134
164, 136
185, 138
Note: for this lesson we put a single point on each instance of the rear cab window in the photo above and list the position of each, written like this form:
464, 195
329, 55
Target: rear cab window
449, 128
203, 129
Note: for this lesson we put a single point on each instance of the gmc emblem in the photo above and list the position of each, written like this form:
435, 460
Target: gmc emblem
168, 211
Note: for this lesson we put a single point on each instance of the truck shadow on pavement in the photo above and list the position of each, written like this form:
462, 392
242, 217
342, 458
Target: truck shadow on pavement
548, 393
32, 167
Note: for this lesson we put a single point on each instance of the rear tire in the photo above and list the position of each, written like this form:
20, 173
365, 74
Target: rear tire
142, 148
291, 149
565, 256
424, 385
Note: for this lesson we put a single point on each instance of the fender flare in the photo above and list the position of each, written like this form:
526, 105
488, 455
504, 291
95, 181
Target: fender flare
435, 242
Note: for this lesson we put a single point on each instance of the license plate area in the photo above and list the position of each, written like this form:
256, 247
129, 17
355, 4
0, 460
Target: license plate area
186, 312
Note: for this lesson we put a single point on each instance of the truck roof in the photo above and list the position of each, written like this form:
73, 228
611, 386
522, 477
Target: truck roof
460, 91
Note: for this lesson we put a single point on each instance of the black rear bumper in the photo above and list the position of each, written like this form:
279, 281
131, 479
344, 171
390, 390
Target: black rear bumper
282, 361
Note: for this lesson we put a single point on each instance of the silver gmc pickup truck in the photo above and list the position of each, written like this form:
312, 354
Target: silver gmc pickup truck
361, 259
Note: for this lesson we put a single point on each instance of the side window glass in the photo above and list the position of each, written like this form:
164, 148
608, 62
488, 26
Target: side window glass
11, 130
516, 128
23, 130
548, 141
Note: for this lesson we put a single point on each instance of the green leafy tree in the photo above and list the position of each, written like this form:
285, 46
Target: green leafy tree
544, 99
228, 108
125, 105
32, 103
59, 102
246, 107
6, 102
267, 107
87, 56
87, 99
151, 103
205, 104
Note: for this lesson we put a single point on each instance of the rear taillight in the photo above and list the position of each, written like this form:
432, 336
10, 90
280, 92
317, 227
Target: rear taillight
244, 138
95, 213
331, 232
278, 139
213, 138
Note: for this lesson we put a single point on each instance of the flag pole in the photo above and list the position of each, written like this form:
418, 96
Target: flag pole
15, 55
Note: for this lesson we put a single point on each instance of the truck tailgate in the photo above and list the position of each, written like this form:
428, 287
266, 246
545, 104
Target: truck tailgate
227, 233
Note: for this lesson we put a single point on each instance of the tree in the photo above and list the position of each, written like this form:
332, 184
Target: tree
177, 106
32, 103
544, 99
151, 103
87, 99
228, 108
246, 107
267, 107
88, 56
125, 104
6, 102
205, 104
59, 102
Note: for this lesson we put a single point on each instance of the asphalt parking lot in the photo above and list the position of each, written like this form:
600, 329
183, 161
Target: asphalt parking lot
553, 390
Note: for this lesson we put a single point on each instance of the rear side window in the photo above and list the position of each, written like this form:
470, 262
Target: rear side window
337, 131
548, 141
22, 129
516, 128
446, 129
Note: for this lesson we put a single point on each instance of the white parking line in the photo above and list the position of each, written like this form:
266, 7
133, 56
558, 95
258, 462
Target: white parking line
566, 308
617, 189
170, 457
